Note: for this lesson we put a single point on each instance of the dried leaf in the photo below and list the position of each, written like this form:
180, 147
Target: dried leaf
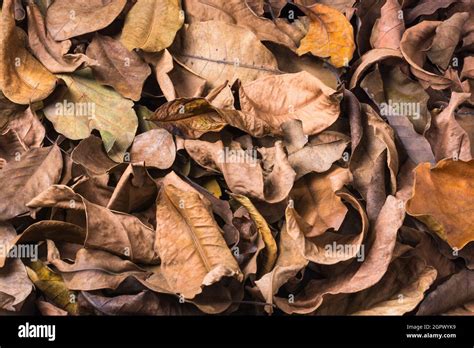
330, 35
447, 213
151, 25
66, 19
190, 243
52, 285
291, 96
86, 106
125, 71
23, 79
23, 179
239, 54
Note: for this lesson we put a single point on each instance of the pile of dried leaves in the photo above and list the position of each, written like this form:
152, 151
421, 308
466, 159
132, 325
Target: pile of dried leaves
211, 156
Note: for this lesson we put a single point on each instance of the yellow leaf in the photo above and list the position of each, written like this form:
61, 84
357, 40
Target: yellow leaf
270, 251
152, 25
330, 35
213, 187
52, 286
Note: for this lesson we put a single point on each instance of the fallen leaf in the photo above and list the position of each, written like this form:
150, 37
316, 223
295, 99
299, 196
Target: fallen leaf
151, 25
414, 46
447, 138
86, 106
190, 243
447, 36
52, 285
236, 12
23, 79
66, 19
52, 54
156, 148
389, 28
270, 251
330, 35
452, 295
298, 96
15, 286
447, 213
26, 177
239, 54
125, 71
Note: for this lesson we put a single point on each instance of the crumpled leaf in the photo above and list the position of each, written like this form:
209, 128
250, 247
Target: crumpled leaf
243, 171
156, 148
118, 233
316, 201
270, 251
414, 46
447, 138
454, 296
446, 39
52, 54
15, 286
356, 278
143, 303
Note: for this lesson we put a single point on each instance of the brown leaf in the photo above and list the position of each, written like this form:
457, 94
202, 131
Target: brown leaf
174, 78
316, 201
239, 54
66, 19
52, 54
450, 296
243, 171
370, 58
23, 79
15, 286
25, 178
318, 156
378, 137
447, 36
236, 12
125, 71
426, 7
28, 127
357, 277
143, 303
389, 28
414, 46
190, 243
118, 233
156, 148
303, 96
447, 138
151, 25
